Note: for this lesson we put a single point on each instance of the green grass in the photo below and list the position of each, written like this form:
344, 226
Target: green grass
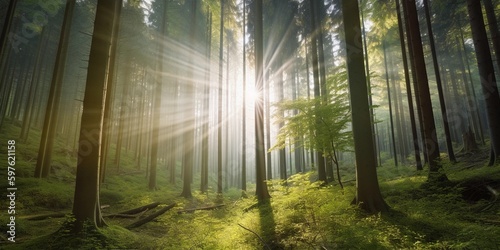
300, 215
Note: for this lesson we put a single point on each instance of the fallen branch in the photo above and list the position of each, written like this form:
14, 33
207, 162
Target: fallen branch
258, 236
44, 216
126, 215
150, 217
190, 210
251, 207
140, 209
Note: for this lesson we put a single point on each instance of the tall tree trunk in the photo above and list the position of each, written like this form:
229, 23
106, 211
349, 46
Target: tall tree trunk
267, 112
368, 194
206, 108
219, 113
390, 105
471, 105
190, 95
9, 15
44, 158
396, 99
476, 105
243, 114
157, 102
260, 154
493, 28
110, 92
442, 104
315, 61
368, 82
487, 75
86, 205
28, 111
427, 119
282, 154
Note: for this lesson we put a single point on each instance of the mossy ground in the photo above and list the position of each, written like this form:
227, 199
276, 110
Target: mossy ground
463, 214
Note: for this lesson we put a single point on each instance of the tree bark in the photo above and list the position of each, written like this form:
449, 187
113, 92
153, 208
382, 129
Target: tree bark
157, 102
150, 217
260, 162
422, 84
317, 93
493, 28
86, 205
393, 137
368, 195
487, 75
43, 163
442, 103
219, 113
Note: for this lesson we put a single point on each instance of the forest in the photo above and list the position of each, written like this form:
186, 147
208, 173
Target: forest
249, 124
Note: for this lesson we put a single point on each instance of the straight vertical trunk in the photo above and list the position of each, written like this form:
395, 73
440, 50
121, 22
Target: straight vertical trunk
493, 28
260, 154
243, 114
219, 113
44, 158
427, 119
86, 205
206, 109
368, 194
487, 75
390, 106
442, 103
157, 103
315, 61
28, 111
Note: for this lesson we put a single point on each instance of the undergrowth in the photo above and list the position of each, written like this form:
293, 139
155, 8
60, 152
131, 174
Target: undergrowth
302, 214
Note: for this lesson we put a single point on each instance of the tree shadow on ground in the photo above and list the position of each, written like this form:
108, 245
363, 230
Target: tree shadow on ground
268, 225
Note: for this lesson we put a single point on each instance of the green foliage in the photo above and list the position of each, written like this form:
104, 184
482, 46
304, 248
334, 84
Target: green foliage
321, 123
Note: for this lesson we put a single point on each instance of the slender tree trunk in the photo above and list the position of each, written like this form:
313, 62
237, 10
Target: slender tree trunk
260, 154
219, 113
471, 105
110, 92
397, 114
442, 103
28, 111
243, 111
427, 119
408, 90
267, 91
157, 102
190, 123
86, 205
206, 109
44, 158
476, 105
390, 105
487, 75
368, 81
315, 61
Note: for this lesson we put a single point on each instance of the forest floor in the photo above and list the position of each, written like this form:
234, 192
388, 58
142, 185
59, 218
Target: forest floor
463, 213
